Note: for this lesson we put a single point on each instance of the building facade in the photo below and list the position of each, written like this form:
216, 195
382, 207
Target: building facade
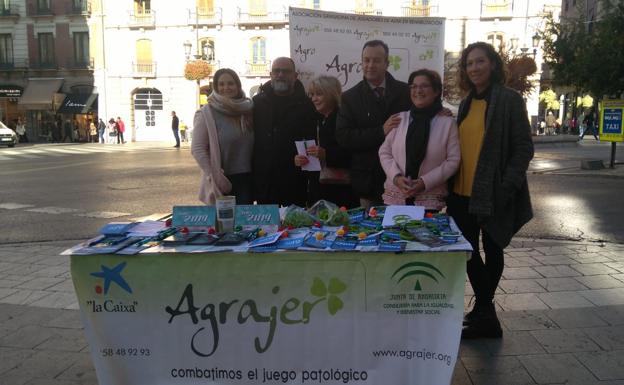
140, 47
46, 75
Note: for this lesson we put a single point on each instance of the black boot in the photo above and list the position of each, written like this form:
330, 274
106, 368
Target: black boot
483, 323
474, 314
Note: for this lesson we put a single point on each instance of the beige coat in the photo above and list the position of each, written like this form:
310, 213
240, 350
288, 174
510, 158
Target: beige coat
205, 150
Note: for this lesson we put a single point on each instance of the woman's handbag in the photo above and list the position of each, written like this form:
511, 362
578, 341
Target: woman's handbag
334, 175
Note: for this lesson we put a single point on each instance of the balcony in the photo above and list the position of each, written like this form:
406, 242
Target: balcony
14, 64
411, 9
144, 70
258, 68
37, 64
209, 17
79, 8
492, 9
143, 19
80, 64
262, 18
8, 9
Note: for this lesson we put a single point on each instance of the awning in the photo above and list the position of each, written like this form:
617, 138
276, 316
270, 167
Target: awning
77, 104
39, 94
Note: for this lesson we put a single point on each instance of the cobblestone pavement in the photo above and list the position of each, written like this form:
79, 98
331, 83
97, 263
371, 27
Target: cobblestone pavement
561, 305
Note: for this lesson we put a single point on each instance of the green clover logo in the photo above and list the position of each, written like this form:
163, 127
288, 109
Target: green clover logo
420, 269
329, 292
395, 61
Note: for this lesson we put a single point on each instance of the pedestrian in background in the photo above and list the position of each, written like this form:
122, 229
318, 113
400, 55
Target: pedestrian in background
364, 120
20, 129
490, 198
175, 122
223, 141
422, 153
112, 131
101, 130
334, 182
121, 128
67, 131
589, 122
93, 132
183, 131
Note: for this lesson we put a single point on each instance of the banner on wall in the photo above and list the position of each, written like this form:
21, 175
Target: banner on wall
305, 318
330, 43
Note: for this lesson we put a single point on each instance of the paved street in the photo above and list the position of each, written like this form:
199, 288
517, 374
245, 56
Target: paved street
561, 302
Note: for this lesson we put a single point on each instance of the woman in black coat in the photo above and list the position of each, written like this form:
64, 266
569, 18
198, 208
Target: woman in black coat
334, 184
490, 196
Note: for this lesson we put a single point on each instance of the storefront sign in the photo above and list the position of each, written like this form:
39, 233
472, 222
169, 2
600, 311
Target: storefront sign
330, 43
11, 91
239, 318
611, 128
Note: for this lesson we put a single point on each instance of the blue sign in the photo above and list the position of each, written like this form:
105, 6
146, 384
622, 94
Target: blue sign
203, 216
612, 121
256, 215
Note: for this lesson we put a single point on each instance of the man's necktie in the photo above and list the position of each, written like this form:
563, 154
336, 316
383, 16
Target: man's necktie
379, 91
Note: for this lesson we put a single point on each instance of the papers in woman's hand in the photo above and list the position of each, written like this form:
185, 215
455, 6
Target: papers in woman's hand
314, 164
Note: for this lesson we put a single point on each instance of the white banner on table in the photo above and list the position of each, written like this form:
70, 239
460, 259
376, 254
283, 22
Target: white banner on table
330, 43
304, 318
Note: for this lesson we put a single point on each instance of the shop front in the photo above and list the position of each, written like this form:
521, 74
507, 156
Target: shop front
38, 102
9, 110
81, 110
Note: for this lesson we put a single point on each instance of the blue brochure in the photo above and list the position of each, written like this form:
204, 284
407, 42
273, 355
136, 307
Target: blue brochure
344, 244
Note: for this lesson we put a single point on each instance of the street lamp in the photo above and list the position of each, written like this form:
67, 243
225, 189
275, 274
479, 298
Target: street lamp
187, 49
536, 41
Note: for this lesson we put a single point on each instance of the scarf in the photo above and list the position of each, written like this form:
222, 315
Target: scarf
234, 108
417, 137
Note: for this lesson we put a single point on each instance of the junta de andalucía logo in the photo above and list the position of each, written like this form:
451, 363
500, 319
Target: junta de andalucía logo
293, 311
417, 269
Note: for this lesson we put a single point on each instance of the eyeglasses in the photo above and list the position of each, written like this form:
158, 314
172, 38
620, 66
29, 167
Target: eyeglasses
419, 86
285, 71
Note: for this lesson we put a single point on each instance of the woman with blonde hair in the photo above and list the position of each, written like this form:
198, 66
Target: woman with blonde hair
334, 183
223, 141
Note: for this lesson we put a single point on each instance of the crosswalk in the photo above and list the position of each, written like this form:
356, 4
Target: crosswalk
53, 210
39, 151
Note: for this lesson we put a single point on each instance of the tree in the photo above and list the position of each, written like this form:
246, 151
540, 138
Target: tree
549, 99
519, 69
588, 55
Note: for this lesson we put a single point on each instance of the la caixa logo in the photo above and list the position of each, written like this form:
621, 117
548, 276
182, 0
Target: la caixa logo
111, 275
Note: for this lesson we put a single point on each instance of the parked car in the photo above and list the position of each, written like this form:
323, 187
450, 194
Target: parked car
7, 136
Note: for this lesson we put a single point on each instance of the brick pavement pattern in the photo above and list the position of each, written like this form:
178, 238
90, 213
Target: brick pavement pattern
561, 306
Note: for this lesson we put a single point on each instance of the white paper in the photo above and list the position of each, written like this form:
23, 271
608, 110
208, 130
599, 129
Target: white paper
147, 229
314, 164
413, 212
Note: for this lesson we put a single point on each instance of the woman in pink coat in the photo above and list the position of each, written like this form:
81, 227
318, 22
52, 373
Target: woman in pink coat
422, 151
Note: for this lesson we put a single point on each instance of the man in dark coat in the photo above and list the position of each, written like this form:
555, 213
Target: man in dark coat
175, 123
366, 116
282, 114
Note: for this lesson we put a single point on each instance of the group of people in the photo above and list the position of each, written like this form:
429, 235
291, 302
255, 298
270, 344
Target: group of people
382, 141
109, 132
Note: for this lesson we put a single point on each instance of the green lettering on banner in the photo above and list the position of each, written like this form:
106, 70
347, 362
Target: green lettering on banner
249, 310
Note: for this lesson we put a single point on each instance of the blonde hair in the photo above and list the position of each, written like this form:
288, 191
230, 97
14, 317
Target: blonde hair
328, 86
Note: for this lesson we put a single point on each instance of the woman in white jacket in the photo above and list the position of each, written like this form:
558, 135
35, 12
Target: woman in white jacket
223, 141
